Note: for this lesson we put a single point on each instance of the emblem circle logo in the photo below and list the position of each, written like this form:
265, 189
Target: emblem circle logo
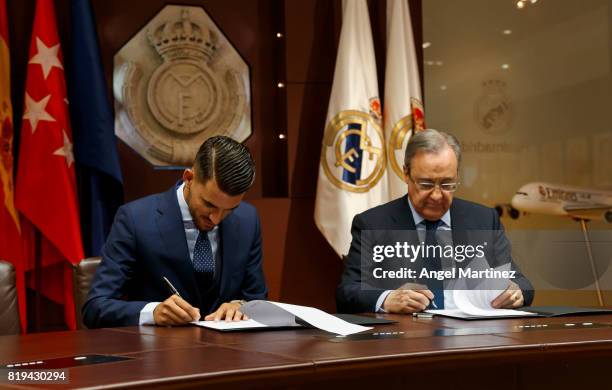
493, 110
184, 96
372, 147
401, 132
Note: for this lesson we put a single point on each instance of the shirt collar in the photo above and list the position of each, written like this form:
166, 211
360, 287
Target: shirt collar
183, 204
446, 218
185, 214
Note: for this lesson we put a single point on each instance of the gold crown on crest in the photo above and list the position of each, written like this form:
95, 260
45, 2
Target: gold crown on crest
183, 38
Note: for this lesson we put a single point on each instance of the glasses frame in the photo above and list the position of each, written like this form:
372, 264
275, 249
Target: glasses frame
437, 185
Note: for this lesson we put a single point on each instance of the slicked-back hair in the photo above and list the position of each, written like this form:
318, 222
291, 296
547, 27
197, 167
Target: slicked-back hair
228, 162
430, 141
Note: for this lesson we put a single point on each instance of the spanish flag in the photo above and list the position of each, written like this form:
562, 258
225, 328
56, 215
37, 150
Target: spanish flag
10, 241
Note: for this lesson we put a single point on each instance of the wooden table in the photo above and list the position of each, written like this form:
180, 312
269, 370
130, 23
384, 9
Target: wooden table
439, 353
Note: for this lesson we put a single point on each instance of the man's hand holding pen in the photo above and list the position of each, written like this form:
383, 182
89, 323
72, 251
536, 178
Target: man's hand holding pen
407, 301
175, 311
409, 298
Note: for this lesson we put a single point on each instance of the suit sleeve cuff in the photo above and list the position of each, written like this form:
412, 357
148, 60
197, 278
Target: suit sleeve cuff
381, 301
146, 314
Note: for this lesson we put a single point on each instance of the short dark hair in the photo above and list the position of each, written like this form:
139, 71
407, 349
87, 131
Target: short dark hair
227, 161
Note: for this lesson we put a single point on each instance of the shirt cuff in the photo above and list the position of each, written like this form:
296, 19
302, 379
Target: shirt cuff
146, 314
380, 301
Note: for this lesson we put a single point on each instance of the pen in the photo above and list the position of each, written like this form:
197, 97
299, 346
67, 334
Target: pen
417, 286
173, 290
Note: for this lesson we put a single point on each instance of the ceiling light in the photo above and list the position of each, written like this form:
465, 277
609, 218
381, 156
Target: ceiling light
522, 3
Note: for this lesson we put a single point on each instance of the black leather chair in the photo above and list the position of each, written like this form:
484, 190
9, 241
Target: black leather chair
82, 275
9, 308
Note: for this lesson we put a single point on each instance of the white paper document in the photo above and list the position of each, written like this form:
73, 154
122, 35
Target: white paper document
318, 318
476, 303
275, 314
223, 325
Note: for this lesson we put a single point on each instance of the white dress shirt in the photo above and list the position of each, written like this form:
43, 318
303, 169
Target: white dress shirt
191, 233
419, 222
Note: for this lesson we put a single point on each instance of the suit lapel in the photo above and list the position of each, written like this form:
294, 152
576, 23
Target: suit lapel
456, 215
458, 227
458, 223
230, 241
404, 228
172, 234
402, 216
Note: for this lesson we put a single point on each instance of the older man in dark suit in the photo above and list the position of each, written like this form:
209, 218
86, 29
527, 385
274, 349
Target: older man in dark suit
431, 171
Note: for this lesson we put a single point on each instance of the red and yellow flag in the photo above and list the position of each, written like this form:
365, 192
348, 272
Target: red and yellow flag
10, 248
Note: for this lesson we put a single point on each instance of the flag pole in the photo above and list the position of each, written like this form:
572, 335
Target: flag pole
37, 280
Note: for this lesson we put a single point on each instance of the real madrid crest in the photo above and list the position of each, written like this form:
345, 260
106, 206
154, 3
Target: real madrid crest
178, 82
401, 132
493, 110
353, 154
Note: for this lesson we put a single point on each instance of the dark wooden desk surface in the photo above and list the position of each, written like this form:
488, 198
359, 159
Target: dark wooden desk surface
493, 354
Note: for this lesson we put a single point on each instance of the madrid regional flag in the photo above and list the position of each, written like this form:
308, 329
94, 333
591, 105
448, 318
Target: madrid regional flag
403, 114
46, 185
353, 159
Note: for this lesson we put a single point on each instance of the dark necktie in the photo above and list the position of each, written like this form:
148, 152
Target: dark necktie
203, 260
434, 263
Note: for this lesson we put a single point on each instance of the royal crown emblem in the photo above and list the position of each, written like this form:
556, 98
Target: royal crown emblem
178, 82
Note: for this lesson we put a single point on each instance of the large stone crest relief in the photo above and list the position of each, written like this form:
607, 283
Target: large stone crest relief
177, 82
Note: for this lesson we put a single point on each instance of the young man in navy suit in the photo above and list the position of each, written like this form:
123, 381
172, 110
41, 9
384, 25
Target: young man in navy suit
199, 235
431, 171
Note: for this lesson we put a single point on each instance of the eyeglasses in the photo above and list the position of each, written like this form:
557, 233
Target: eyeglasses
427, 186
430, 185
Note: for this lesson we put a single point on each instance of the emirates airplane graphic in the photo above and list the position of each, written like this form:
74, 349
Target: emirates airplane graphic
561, 200
580, 204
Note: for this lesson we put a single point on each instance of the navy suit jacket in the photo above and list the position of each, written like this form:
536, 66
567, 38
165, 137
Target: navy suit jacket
397, 215
147, 241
